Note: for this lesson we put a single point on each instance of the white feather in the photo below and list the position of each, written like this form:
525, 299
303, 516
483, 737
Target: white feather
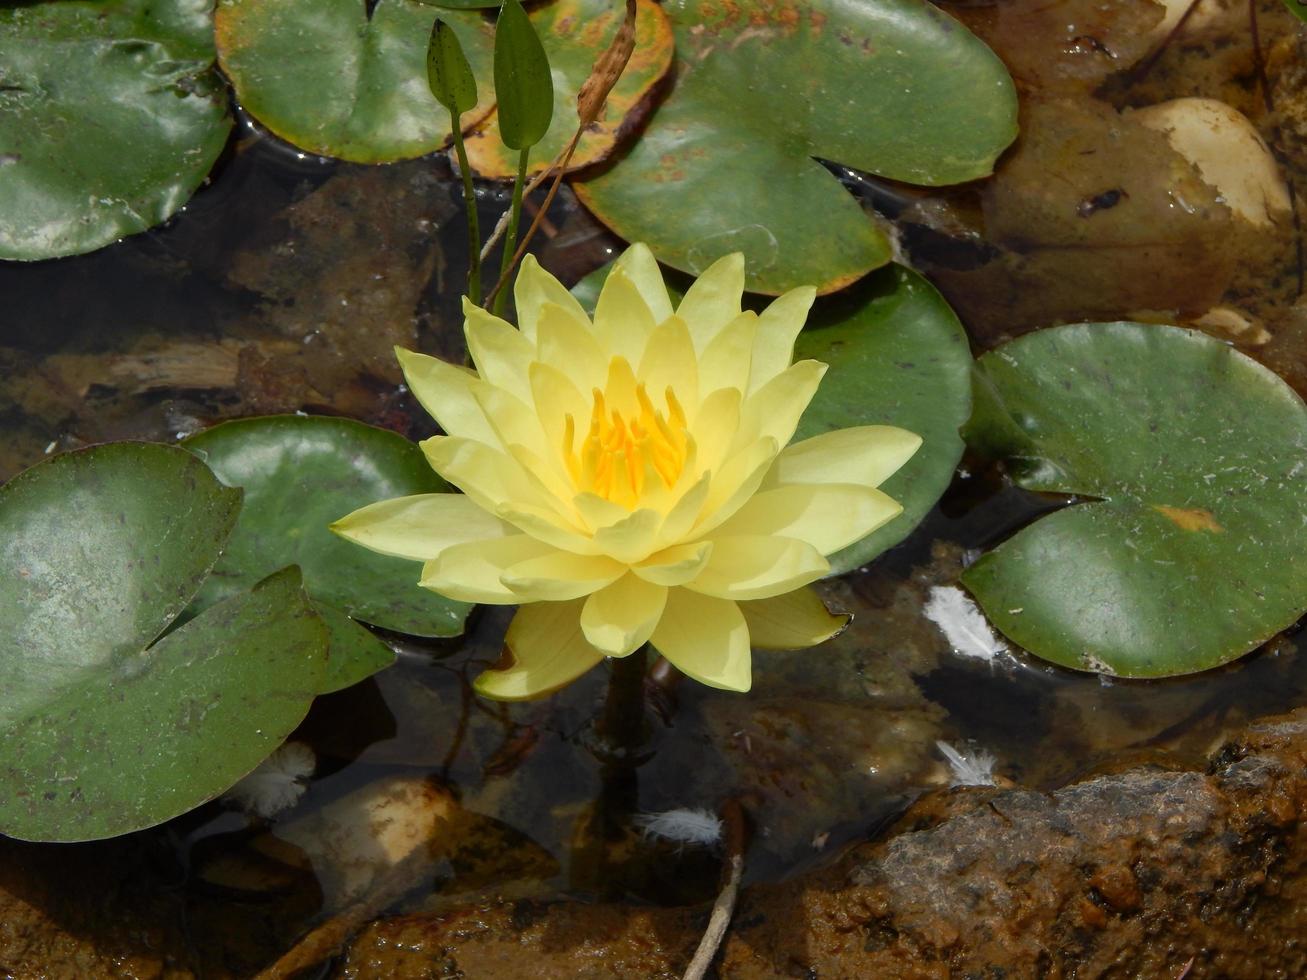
968, 768
699, 828
278, 782
962, 623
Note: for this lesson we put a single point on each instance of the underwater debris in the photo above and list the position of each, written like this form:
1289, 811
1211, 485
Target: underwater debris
968, 768
963, 624
277, 784
686, 827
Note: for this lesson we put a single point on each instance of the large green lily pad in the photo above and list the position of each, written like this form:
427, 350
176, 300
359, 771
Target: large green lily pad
895, 87
110, 118
1194, 548
106, 730
574, 34
299, 474
897, 356
328, 78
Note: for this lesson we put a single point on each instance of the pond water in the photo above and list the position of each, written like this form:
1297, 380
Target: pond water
284, 285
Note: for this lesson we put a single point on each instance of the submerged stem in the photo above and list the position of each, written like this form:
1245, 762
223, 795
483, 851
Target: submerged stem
510, 237
623, 724
473, 221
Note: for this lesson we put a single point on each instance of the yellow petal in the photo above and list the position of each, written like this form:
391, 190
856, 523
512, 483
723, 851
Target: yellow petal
471, 572
632, 539
642, 268
619, 388
865, 454
620, 618
757, 567
774, 410
512, 421
622, 321
598, 512
535, 287
705, 638
569, 346
548, 648
419, 527
725, 361
715, 427
669, 362
444, 390
683, 515
559, 575
488, 476
829, 516
736, 481
675, 565
551, 475
791, 621
778, 326
555, 398
714, 299
546, 525
498, 349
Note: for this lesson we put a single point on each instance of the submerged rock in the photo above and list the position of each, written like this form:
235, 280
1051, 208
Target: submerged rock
1146, 873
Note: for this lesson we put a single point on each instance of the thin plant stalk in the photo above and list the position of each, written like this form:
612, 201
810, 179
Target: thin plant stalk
510, 237
473, 221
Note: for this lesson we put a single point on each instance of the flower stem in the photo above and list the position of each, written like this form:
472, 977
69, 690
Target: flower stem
510, 237
622, 727
473, 222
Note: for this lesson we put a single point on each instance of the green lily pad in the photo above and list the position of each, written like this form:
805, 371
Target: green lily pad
110, 117
299, 474
328, 78
897, 356
726, 164
575, 33
105, 729
1193, 550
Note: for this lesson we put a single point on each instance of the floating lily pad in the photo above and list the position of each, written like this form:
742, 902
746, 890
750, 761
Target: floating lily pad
1193, 549
328, 78
575, 33
105, 729
110, 117
726, 164
299, 474
897, 356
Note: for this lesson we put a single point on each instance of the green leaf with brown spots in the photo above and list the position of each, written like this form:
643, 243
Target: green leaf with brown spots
763, 87
110, 117
106, 727
574, 34
328, 78
1189, 547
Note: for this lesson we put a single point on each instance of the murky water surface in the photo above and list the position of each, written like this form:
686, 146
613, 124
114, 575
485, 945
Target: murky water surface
284, 286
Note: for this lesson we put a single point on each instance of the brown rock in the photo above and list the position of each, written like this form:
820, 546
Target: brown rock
1126, 875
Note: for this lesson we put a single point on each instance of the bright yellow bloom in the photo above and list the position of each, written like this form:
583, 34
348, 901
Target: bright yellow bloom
627, 480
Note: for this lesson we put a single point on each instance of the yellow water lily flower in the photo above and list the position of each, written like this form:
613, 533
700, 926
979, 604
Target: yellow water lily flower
627, 479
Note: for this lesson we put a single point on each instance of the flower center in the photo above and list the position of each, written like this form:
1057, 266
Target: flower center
620, 457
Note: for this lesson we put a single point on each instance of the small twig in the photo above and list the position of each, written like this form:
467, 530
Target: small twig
724, 907
1137, 74
327, 939
501, 226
